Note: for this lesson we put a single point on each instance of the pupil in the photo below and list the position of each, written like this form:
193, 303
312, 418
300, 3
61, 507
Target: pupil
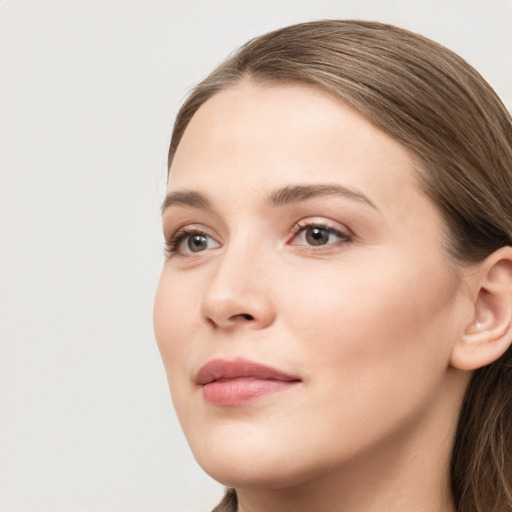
197, 243
317, 236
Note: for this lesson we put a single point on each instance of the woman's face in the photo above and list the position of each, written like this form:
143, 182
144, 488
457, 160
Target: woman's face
299, 240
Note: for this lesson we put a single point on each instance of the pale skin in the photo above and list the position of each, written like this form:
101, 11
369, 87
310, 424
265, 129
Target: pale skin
379, 324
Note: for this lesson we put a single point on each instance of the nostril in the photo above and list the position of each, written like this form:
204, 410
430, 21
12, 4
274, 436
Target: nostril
242, 316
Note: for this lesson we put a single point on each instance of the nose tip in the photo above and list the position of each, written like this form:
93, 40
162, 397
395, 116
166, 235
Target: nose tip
231, 300
238, 310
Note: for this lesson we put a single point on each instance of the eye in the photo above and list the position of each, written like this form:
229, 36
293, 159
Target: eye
190, 241
316, 235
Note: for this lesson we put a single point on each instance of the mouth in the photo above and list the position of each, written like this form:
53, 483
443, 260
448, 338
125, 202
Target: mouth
231, 383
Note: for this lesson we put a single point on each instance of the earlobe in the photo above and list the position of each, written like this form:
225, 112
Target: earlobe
489, 334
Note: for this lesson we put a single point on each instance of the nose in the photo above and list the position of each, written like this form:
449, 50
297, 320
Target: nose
239, 293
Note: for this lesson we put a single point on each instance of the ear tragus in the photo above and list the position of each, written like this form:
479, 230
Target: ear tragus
489, 334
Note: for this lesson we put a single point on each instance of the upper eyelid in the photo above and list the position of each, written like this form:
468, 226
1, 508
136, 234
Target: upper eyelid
324, 223
307, 222
303, 223
171, 232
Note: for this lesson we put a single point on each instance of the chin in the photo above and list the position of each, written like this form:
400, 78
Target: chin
258, 464
251, 474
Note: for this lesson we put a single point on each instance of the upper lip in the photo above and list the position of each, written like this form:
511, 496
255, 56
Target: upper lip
222, 369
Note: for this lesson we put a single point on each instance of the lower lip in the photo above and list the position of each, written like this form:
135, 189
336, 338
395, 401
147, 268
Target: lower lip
236, 392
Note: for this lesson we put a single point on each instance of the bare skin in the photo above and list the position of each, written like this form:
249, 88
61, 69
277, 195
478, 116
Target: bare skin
309, 247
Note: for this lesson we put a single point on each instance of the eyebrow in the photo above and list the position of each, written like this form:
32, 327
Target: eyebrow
297, 193
186, 198
280, 197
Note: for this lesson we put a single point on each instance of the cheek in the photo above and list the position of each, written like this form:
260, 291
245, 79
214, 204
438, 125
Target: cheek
372, 322
174, 317
376, 347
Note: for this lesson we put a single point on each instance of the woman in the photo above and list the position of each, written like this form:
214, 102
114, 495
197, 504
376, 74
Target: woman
334, 310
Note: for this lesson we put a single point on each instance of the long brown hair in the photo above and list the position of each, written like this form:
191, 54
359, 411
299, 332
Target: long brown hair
444, 112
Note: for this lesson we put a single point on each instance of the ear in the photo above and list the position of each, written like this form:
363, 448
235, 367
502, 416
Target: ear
489, 334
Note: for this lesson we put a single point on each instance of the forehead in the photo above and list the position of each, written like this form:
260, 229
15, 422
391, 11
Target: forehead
255, 136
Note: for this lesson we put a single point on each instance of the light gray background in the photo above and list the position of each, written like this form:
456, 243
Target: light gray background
88, 92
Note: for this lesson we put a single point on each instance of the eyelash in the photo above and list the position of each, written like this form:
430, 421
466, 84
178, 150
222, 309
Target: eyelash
173, 245
302, 227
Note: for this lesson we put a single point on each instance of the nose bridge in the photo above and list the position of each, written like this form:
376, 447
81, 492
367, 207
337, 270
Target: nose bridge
238, 291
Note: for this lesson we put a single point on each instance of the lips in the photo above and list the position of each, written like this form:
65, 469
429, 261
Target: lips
235, 382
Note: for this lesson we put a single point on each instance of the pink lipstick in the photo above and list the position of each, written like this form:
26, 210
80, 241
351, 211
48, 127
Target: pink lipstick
235, 382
